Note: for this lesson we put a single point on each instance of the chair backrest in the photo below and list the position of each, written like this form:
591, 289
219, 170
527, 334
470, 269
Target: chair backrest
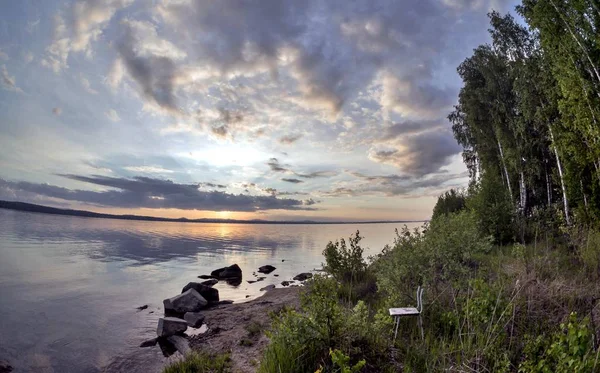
420, 299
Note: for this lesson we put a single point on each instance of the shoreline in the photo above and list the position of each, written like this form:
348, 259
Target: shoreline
239, 328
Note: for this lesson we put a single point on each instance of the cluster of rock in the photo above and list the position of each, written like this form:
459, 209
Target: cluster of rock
183, 310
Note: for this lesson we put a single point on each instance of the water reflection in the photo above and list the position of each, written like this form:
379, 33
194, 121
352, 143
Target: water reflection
70, 286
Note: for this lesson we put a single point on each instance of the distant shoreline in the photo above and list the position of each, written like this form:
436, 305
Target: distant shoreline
30, 207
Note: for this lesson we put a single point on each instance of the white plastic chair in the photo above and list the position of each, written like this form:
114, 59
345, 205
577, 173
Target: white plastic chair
397, 313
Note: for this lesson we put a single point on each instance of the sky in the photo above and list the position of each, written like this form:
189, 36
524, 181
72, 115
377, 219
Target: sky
265, 109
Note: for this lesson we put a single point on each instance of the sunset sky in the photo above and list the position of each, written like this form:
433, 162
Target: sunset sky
267, 109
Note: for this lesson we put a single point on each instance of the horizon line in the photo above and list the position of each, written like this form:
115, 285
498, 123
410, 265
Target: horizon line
43, 209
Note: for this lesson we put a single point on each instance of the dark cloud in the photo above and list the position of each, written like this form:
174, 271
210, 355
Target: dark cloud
144, 192
276, 166
290, 180
419, 154
409, 127
316, 174
220, 131
212, 185
154, 74
289, 139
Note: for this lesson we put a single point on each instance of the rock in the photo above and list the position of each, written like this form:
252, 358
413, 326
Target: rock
149, 343
303, 276
194, 319
266, 269
189, 301
247, 296
168, 326
141, 308
210, 282
227, 272
5, 367
250, 281
226, 301
260, 279
205, 277
286, 283
181, 344
268, 287
276, 275
233, 281
282, 260
207, 292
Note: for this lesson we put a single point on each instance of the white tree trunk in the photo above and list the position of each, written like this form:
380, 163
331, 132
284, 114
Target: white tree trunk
585, 202
522, 192
548, 188
505, 170
562, 179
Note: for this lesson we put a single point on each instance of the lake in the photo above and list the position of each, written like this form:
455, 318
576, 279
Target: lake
69, 286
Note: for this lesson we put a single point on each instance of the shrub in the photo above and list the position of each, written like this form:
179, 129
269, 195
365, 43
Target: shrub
446, 252
346, 264
569, 350
201, 363
449, 202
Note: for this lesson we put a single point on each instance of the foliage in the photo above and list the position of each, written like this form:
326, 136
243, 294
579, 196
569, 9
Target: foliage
445, 253
492, 208
568, 350
346, 263
201, 363
451, 201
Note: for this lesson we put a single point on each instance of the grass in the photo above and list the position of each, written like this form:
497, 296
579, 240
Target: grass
198, 362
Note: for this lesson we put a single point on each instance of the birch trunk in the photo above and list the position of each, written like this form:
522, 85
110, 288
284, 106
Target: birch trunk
522, 192
548, 188
562, 179
505, 171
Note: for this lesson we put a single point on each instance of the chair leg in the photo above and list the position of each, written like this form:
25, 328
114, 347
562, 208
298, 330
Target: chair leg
421, 327
397, 322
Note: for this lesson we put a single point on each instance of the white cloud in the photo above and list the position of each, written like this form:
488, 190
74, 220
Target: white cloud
3, 55
112, 115
86, 85
9, 82
148, 169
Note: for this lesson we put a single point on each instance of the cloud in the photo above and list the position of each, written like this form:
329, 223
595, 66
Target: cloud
148, 169
396, 185
316, 174
289, 139
3, 55
144, 192
86, 85
8, 81
154, 74
276, 166
290, 180
418, 154
57, 111
112, 115
83, 24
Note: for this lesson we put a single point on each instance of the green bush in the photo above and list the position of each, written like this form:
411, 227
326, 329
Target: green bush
201, 363
445, 252
346, 264
569, 350
449, 202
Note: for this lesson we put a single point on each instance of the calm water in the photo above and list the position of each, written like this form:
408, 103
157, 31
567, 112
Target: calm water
69, 286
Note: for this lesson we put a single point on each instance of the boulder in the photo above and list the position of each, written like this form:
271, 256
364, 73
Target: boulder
149, 343
168, 326
207, 292
266, 269
194, 319
210, 282
276, 275
268, 287
303, 276
205, 277
189, 301
5, 367
181, 344
286, 283
227, 272
233, 281
141, 308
